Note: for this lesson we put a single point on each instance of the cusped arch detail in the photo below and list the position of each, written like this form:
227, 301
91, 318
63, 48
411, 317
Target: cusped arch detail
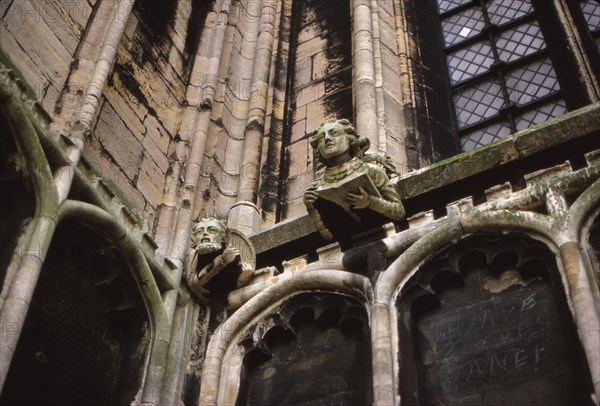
452, 229
260, 306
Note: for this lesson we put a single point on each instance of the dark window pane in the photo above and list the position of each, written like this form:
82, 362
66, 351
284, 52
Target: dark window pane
591, 12
477, 102
484, 136
523, 40
540, 114
531, 82
503, 11
463, 25
597, 40
470, 61
446, 5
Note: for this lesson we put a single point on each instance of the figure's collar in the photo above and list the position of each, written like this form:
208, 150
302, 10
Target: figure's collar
338, 172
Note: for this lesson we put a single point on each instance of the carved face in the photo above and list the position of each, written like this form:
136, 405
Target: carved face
208, 236
334, 141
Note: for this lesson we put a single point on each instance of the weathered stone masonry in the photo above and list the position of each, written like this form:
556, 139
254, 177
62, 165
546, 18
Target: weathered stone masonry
123, 121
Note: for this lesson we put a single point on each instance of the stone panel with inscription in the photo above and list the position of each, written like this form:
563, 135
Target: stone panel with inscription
496, 332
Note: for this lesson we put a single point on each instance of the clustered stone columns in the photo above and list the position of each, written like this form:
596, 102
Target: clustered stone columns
244, 215
200, 98
175, 221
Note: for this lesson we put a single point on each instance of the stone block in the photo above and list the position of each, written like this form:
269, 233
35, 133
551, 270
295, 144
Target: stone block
387, 35
118, 141
157, 133
60, 22
310, 48
296, 264
298, 183
321, 65
245, 217
129, 110
330, 252
113, 174
154, 152
172, 75
150, 181
310, 93
395, 120
303, 73
147, 86
421, 218
458, 167
386, 6
570, 126
79, 10
298, 130
547, 174
315, 114
593, 158
299, 154
34, 48
499, 192
309, 32
50, 98
295, 208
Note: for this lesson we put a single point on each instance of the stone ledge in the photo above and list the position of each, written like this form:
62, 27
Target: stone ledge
570, 126
573, 125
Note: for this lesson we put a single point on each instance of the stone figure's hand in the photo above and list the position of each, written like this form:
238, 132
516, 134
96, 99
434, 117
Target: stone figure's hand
229, 255
359, 201
247, 268
310, 197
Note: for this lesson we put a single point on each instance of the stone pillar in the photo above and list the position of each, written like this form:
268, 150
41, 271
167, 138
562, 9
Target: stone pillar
383, 375
363, 86
586, 313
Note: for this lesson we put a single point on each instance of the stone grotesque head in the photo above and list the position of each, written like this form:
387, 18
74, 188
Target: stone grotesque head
336, 141
208, 235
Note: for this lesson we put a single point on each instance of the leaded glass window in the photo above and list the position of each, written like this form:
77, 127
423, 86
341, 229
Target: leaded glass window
591, 13
501, 75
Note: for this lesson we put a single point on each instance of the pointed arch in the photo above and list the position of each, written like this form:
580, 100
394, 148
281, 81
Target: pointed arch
282, 287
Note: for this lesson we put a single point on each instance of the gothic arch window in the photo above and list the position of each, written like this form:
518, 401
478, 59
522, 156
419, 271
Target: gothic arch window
486, 322
315, 349
502, 58
86, 334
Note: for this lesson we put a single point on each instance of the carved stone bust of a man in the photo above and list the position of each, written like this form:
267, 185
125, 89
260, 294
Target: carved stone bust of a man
214, 264
208, 235
349, 179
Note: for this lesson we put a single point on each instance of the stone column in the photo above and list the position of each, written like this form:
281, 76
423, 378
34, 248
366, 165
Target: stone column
584, 65
586, 313
382, 357
363, 86
244, 215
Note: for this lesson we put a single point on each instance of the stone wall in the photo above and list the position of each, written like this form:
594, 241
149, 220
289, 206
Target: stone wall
196, 107
41, 38
141, 111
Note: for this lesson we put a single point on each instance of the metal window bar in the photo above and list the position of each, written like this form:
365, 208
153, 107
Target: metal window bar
501, 58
